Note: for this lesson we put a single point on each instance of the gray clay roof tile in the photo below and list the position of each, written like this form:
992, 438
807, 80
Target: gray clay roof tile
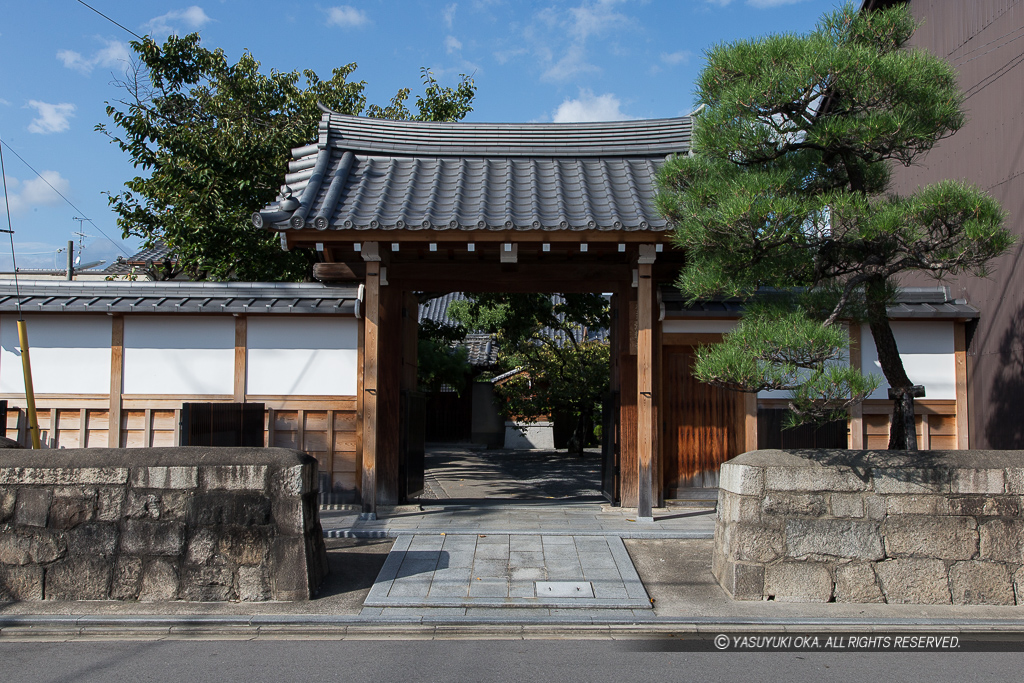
377, 174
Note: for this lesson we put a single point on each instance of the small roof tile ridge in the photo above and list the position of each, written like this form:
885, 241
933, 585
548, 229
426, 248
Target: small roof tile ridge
642, 137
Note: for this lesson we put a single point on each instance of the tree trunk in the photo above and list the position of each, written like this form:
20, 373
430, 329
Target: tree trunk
902, 433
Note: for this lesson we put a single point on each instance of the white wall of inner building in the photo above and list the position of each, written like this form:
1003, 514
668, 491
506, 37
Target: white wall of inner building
927, 351
302, 356
70, 354
698, 326
179, 355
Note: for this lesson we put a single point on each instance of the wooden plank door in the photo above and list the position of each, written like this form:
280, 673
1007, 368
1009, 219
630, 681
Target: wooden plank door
703, 425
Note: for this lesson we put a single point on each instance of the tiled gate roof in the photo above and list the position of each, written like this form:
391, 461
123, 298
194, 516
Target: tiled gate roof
403, 175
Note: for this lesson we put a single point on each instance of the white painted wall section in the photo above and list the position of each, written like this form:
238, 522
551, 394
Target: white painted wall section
927, 352
70, 354
179, 355
698, 326
301, 356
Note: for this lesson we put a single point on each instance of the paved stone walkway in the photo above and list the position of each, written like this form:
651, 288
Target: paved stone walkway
508, 570
502, 534
564, 519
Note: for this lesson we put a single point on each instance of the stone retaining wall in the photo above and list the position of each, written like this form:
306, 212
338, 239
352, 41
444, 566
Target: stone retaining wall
202, 524
933, 527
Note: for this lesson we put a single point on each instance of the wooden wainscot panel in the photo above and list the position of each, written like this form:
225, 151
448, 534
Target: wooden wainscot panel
345, 461
286, 421
316, 420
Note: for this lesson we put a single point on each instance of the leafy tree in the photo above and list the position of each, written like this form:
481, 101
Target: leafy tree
440, 359
788, 187
564, 370
213, 138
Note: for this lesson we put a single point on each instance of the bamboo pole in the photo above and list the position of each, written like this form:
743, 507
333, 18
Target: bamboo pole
30, 397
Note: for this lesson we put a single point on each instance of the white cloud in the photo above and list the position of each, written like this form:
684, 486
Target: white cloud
595, 18
53, 118
23, 196
114, 53
345, 16
192, 18
502, 57
589, 107
560, 39
451, 44
673, 58
449, 15
4, 102
720, 3
573, 63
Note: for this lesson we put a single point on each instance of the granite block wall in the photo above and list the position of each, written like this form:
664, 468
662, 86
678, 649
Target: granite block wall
933, 527
197, 524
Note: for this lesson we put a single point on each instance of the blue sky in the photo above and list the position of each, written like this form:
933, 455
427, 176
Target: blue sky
532, 61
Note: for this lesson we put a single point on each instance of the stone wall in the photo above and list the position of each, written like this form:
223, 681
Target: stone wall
933, 527
201, 524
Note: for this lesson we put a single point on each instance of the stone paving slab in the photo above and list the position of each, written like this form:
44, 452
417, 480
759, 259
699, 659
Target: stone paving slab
568, 519
483, 571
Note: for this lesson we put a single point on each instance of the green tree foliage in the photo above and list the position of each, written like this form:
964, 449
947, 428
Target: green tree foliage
564, 370
789, 187
440, 358
213, 139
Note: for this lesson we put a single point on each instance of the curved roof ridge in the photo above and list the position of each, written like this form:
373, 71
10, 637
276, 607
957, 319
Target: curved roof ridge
644, 137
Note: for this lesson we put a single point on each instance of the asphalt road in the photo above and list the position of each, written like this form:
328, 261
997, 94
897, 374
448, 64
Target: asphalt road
454, 661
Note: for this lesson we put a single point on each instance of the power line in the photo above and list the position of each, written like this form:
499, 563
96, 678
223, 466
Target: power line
993, 77
10, 230
978, 32
997, 47
40, 176
111, 20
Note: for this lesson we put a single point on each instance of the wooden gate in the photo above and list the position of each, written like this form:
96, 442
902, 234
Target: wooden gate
703, 425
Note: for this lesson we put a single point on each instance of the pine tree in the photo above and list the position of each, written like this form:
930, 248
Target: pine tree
788, 190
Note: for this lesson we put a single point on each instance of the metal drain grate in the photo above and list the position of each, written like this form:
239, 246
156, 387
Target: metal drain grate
564, 589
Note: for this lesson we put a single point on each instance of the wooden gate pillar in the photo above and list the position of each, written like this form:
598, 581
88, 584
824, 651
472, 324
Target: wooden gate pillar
370, 372
646, 398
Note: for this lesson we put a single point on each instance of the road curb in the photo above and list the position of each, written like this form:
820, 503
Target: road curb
58, 627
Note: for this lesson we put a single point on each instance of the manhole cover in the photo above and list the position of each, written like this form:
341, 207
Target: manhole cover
564, 589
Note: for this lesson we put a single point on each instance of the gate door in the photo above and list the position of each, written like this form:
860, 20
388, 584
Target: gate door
704, 425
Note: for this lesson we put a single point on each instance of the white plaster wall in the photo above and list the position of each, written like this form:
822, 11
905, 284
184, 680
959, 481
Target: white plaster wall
70, 354
179, 354
302, 356
698, 326
927, 352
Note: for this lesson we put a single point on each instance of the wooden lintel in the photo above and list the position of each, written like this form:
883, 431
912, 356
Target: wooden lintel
339, 272
490, 277
304, 238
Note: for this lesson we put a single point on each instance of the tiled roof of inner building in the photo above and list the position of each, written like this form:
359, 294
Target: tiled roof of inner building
911, 303
366, 174
177, 297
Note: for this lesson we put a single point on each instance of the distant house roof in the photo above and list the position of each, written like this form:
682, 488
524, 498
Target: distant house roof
911, 303
158, 253
368, 173
483, 347
177, 297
